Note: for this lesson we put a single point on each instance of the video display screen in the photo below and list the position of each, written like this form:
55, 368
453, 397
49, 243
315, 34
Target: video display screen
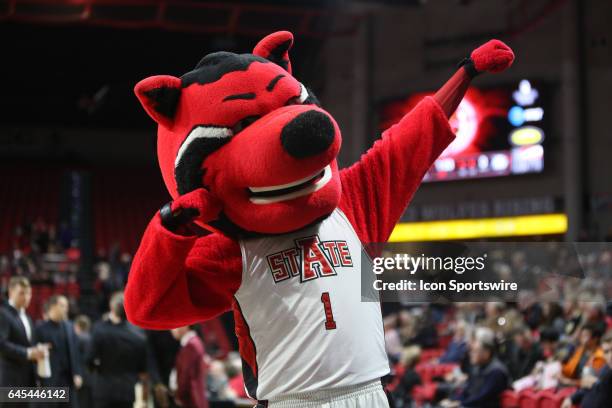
500, 131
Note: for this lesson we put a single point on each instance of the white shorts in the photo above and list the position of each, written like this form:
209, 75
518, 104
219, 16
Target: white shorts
368, 395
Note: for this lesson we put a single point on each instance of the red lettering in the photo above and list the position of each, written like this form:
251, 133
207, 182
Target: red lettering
278, 267
291, 255
345, 255
330, 247
314, 261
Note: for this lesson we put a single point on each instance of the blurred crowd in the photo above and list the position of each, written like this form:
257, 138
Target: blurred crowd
48, 257
107, 363
111, 363
471, 354
554, 337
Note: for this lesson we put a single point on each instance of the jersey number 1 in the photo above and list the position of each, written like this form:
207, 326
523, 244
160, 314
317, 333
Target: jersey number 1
330, 323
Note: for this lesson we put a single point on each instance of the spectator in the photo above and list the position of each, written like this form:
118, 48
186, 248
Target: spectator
458, 347
190, 370
487, 379
233, 368
393, 343
410, 378
595, 392
17, 350
523, 353
219, 385
546, 373
64, 354
119, 354
588, 356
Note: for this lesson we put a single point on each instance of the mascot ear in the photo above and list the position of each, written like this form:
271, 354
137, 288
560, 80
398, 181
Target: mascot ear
159, 96
275, 47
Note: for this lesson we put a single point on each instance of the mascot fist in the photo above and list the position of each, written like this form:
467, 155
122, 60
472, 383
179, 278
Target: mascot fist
198, 205
493, 56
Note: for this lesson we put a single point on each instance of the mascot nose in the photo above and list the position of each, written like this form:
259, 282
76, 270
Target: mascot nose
308, 134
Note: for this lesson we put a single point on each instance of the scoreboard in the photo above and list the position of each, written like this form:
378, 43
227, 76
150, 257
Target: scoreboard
500, 131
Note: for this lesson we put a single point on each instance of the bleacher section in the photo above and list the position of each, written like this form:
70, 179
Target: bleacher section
124, 200
27, 194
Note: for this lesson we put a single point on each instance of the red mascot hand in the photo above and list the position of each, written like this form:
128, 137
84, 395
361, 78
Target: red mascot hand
493, 56
197, 205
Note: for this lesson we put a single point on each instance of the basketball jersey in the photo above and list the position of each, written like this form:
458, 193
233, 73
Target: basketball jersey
301, 302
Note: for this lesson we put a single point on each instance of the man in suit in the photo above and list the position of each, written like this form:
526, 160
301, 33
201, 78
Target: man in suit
64, 356
190, 373
119, 355
17, 350
82, 328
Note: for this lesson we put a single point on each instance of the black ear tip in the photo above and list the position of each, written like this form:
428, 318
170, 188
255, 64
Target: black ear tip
165, 100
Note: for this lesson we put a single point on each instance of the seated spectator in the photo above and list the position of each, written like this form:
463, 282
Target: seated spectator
393, 343
545, 374
588, 356
219, 387
487, 379
523, 353
595, 391
410, 378
233, 368
458, 347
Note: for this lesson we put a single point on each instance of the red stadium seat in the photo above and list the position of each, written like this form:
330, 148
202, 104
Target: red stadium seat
566, 392
444, 341
429, 354
428, 372
399, 373
27, 194
124, 200
509, 399
550, 399
529, 399
424, 393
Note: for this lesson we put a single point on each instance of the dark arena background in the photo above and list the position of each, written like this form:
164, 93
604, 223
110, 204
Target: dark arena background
532, 163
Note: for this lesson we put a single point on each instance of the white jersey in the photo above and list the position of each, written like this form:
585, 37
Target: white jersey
300, 298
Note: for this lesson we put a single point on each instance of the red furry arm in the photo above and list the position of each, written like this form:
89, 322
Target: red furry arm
176, 280
377, 189
452, 92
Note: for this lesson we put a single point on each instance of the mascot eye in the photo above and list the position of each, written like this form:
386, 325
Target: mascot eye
244, 123
302, 98
306, 97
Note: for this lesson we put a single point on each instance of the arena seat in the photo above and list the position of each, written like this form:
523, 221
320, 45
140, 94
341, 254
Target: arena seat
124, 201
429, 354
509, 399
398, 370
27, 193
550, 399
529, 399
424, 393
428, 372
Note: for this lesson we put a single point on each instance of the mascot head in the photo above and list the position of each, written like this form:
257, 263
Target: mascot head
241, 126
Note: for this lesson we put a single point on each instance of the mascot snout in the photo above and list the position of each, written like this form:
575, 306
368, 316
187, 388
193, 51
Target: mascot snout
308, 134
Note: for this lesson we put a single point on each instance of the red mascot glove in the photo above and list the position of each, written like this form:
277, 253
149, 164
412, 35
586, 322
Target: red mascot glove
197, 205
493, 56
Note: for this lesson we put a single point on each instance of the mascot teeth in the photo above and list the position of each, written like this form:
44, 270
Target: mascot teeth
298, 188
